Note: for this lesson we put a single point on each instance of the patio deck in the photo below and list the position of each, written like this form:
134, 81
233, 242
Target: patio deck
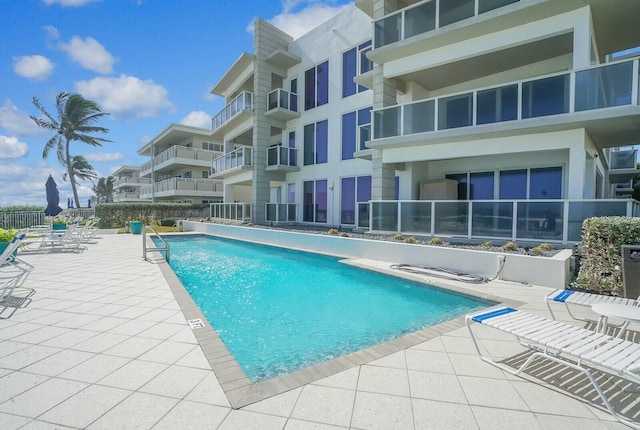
104, 344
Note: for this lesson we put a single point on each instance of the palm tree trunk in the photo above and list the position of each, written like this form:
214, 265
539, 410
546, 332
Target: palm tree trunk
72, 179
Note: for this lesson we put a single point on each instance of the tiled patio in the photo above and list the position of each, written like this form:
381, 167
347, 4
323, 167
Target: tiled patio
103, 344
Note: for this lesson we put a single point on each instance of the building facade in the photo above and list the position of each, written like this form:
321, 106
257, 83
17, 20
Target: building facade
127, 184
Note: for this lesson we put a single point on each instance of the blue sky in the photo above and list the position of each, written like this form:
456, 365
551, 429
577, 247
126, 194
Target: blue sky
146, 62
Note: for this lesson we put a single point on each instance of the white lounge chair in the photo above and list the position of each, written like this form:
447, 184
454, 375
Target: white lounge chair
584, 300
66, 240
7, 286
7, 254
12, 267
565, 344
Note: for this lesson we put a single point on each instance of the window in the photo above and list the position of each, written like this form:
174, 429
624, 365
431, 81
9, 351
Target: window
354, 63
354, 190
315, 201
356, 130
187, 175
210, 146
291, 193
315, 143
539, 183
205, 174
316, 86
474, 186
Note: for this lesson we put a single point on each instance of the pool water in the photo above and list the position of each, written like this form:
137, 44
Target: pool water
278, 311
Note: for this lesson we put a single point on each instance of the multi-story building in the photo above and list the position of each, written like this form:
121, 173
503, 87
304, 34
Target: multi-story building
127, 184
180, 166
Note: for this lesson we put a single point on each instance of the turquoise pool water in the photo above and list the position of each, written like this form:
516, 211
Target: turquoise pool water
278, 310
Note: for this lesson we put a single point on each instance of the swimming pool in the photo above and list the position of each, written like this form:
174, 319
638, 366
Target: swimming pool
278, 311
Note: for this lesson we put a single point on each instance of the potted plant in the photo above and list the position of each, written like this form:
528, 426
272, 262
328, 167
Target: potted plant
59, 224
6, 236
136, 227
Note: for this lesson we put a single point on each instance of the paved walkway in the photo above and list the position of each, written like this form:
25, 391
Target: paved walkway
103, 344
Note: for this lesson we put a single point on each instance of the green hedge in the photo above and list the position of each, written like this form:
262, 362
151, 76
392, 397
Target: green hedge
116, 214
601, 261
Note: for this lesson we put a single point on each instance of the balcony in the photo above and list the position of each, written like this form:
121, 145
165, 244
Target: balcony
282, 105
127, 197
507, 220
592, 97
428, 16
231, 211
131, 182
239, 159
623, 166
183, 187
234, 113
179, 155
283, 159
281, 212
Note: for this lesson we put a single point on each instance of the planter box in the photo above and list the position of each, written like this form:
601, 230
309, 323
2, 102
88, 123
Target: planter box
136, 227
59, 226
3, 246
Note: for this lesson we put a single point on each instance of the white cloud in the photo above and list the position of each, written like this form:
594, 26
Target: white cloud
34, 67
68, 3
126, 96
11, 147
23, 184
299, 16
102, 157
90, 54
197, 119
17, 122
52, 32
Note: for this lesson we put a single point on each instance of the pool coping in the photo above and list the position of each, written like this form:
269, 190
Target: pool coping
239, 389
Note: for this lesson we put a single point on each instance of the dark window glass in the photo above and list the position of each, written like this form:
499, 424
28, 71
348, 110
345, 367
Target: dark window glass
321, 201
364, 116
455, 111
323, 83
349, 71
397, 188
487, 5
292, 139
513, 184
545, 183
481, 186
322, 144
348, 201
309, 153
497, 104
455, 10
548, 96
462, 184
294, 86
348, 135
364, 189
310, 89
307, 212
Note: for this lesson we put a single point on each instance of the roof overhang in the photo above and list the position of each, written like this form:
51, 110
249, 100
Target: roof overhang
173, 133
244, 62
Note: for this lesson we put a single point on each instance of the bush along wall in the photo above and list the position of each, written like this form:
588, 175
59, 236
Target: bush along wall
116, 214
601, 261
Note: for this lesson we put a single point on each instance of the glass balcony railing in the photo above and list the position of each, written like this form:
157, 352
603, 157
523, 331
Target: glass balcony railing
598, 87
234, 159
282, 156
427, 16
527, 220
131, 181
242, 103
231, 211
181, 152
282, 99
281, 212
623, 159
180, 186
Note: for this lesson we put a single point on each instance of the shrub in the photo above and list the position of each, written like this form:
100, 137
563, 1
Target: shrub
410, 240
486, 244
249, 224
398, 237
509, 246
333, 231
600, 264
344, 234
168, 222
436, 241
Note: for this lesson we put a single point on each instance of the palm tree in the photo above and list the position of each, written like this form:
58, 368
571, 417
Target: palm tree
104, 189
80, 169
76, 119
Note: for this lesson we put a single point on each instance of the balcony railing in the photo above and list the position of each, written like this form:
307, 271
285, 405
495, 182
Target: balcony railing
182, 185
180, 152
427, 16
623, 159
526, 220
603, 86
125, 182
281, 212
237, 158
282, 99
125, 197
243, 102
231, 211
282, 156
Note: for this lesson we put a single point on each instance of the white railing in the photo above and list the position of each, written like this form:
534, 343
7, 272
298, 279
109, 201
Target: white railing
123, 197
237, 158
282, 156
429, 15
22, 219
180, 185
282, 99
124, 182
598, 87
242, 103
231, 211
281, 212
527, 220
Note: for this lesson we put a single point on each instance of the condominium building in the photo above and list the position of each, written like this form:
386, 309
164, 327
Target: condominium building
180, 165
127, 184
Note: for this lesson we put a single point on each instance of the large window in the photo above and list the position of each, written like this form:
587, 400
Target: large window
474, 186
315, 143
356, 130
354, 190
315, 201
316, 86
354, 63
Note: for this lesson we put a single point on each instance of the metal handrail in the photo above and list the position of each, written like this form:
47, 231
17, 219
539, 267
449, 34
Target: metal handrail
145, 249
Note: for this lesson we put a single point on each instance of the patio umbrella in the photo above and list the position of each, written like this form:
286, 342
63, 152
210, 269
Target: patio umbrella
89, 203
68, 202
53, 198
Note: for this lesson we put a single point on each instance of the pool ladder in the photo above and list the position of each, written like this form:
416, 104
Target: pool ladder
146, 249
